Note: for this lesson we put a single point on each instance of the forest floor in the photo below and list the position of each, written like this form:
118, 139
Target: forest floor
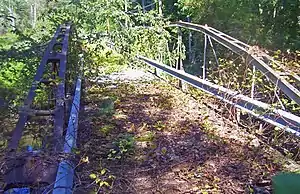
140, 135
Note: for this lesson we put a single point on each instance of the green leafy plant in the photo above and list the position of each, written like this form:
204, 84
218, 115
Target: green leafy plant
124, 145
106, 129
103, 178
159, 125
149, 136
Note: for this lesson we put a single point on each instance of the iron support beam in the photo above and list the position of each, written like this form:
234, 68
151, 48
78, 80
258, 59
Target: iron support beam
143, 6
60, 93
253, 82
214, 52
23, 116
242, 49
204, 58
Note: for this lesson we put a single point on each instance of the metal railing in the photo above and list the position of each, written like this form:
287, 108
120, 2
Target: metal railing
256, 108
261, 110
33, 168
259, 60
65, 173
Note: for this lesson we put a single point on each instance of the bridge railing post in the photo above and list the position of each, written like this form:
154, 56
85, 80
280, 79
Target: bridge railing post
253, 82
179, 64
204, 57
214, 51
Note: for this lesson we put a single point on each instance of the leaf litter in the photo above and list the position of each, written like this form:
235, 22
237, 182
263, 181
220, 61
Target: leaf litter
156, 139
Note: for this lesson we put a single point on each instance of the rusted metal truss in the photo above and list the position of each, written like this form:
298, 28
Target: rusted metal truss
258, 59
31, 168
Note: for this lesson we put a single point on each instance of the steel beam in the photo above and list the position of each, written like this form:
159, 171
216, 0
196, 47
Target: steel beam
23, 116
60, 91
242, 49
263, 111
65, 172
24, 170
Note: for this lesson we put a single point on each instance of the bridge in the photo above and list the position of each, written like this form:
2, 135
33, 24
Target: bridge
63, 81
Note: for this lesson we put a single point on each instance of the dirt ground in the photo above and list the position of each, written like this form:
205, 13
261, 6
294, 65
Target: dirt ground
149, 137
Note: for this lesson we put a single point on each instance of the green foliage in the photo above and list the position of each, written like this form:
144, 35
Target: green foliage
159, 125
7, 40
238, 76
272, 23
108, 44
103, 178
106, 129
111, 36
124, 145
107, 106
19, 15
149, 136
150, 42
19, 57
102, 59
13, 81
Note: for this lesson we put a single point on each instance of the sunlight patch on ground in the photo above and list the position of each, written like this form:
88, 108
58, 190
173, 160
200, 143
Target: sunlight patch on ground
127, 75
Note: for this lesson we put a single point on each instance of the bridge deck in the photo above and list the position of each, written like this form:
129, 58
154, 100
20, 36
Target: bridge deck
179, 144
